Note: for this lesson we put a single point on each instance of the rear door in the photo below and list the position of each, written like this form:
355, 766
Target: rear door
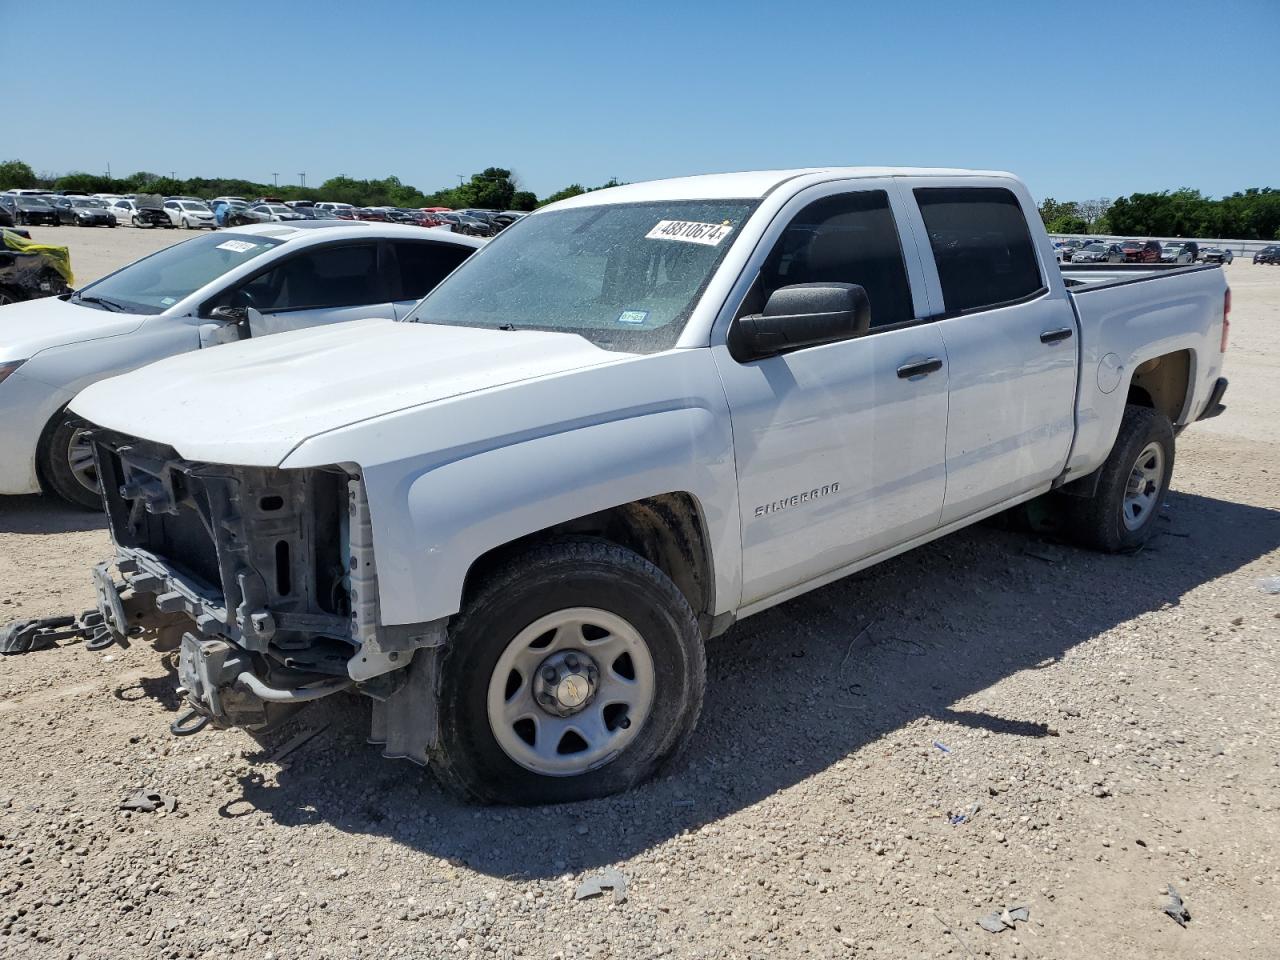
416, 266
839, 454
1010, 341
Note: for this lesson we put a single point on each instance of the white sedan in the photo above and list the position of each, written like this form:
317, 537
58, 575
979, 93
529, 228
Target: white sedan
212, 289
190, 214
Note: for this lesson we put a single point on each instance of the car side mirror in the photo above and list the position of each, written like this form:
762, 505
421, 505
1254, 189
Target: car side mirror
802, 315
229, 314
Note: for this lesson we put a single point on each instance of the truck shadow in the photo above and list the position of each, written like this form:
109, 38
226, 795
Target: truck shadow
798, 688
35, 514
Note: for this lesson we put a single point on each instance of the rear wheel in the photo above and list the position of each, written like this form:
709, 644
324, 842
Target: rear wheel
1132, 484
66, 462
576, 670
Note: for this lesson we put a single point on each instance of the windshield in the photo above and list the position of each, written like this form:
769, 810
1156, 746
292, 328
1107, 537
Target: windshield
1096, 247
192, 205
87, 202
33, 203
626, 277
156, 283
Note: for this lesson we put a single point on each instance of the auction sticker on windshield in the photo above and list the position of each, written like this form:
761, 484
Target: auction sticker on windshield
236, 246
690, 231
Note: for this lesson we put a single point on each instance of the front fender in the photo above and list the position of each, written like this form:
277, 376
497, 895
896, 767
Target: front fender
431, 526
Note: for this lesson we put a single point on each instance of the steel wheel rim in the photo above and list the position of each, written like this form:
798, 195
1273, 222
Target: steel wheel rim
80, 460
615, 708
1142, 491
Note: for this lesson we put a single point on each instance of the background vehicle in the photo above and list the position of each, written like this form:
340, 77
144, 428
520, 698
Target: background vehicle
190, 214
1180, 251
209, 290
1141, 251
83, 212
7, 218
30, 211
30, 270
1268, 254
1216, 255
1069, 247
1099, 252
277, 212
775, 379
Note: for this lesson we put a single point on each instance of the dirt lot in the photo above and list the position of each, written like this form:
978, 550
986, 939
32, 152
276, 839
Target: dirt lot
1108, 724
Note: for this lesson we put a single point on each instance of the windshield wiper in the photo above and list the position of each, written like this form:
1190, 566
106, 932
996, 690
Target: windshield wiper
112, 305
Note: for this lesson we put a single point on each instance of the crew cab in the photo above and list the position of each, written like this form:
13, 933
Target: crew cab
513, 518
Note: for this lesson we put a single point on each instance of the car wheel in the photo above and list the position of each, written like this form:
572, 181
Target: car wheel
575, 670
1132, 484
65, 458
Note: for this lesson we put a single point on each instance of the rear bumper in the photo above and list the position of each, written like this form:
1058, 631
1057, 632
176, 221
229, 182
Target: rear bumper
1215, 406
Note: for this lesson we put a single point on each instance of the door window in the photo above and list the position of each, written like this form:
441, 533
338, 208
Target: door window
981, 244
324, 277
423, 265
846, 238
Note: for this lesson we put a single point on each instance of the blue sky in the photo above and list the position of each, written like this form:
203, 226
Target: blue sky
1081, 99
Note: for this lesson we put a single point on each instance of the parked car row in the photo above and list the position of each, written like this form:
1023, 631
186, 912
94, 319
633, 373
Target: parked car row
1138, 251
1269, 254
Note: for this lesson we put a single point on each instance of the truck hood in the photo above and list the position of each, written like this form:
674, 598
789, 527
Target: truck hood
251, 403
31, 326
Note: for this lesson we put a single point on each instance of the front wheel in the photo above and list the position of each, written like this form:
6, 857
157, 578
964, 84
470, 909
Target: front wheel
66, 462
575, 670
1133, 481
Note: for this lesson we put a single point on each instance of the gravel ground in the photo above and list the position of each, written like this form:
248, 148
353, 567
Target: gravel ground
1107, 724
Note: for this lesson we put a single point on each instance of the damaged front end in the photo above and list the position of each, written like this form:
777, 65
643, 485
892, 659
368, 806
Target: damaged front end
264, 579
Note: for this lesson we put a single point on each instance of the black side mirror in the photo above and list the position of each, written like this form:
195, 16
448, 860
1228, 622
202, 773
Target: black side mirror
229, 314
802, 315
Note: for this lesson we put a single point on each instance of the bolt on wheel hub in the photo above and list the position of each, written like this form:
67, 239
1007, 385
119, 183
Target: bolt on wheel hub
566, 683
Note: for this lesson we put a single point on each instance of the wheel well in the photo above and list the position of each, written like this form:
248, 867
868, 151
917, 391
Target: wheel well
1161, 384
666, 530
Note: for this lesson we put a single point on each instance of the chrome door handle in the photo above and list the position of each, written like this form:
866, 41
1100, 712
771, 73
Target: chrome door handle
921, 369
1053, 336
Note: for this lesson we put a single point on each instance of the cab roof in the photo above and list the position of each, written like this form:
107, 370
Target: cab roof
748, 185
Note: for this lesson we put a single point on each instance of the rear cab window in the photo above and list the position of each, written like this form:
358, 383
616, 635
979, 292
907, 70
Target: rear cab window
981, 245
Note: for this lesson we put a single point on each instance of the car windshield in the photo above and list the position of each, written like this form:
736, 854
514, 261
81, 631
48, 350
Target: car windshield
33, 203
626, 276
192, 205
87, 202
1096, 247
156, 283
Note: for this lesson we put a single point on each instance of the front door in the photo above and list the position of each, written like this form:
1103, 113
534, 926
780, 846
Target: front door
839, 454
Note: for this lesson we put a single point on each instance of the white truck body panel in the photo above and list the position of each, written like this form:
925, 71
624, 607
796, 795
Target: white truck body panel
467, 439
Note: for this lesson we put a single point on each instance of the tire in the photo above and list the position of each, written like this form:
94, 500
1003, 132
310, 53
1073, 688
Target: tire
570, 585
1142, 454
134, 221
55, 456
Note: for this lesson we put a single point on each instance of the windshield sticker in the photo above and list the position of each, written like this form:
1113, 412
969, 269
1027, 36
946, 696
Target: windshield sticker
633, 316
690, 231
168, 301
237, 246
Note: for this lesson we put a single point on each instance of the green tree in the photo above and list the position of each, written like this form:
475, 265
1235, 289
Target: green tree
523, 200
16, 175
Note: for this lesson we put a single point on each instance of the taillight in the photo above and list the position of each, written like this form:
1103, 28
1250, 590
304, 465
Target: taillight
1226, 319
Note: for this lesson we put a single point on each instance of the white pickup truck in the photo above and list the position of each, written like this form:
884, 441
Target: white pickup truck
513, 519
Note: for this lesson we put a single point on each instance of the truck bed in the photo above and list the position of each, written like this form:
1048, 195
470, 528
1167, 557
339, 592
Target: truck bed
1129, 314
1079, 275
